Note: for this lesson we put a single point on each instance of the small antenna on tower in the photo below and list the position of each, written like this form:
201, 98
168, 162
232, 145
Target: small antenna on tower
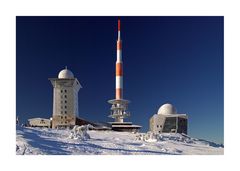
65, 67
119, 27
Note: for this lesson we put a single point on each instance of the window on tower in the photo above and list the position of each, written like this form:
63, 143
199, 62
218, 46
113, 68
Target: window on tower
61, 91
65, 96
65, 101
65, 112
65, 107
65, 91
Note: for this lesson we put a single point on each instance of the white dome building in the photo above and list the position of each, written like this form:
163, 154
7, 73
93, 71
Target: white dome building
65, 74
167, 109
167, 120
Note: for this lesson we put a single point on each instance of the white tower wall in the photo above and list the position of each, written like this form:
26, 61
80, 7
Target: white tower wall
65, 99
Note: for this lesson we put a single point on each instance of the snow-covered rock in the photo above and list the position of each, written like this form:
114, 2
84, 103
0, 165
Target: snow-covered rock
174, 137
80, 132
148, 137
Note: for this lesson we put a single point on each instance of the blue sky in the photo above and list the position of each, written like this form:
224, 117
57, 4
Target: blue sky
178, 60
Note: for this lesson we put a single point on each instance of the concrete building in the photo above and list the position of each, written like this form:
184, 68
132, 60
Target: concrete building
65, 99
39, 122
167, 120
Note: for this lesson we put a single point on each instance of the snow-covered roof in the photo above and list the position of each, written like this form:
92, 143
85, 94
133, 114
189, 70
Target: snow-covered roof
177, 115
38, 119
170, 115
127, 126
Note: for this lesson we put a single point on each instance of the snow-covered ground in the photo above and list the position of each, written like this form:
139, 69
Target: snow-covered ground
79, 141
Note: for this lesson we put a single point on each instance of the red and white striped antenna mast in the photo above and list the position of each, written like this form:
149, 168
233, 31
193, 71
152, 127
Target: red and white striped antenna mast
119, 105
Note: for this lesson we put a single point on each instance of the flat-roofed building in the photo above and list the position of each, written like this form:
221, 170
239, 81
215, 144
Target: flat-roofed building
39, 122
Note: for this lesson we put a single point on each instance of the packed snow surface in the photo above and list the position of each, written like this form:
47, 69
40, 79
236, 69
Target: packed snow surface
81, 141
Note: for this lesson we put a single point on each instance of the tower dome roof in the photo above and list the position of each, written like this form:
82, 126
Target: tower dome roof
65, 73
167, 109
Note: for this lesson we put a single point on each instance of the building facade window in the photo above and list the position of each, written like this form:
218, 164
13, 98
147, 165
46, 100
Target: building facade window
65, 101
65, 107
65, 91
65, 96
61, 91
65, 112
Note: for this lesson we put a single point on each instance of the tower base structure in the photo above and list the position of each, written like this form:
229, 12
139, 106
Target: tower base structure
124, 127
119, 112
